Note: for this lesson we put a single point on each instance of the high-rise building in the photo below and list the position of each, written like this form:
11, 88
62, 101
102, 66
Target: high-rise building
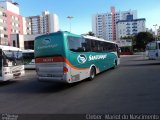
13, 27
129, 27
104, 25
45, 23
10, 21
26, 26
34, 26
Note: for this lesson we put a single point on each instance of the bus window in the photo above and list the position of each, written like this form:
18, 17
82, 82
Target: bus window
159, 45
87, 45
76, 44
12, 58
28, 57
153, 46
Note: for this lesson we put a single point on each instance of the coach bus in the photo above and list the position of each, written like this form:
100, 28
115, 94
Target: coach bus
153, 50
67, 57
28, 57
11, 63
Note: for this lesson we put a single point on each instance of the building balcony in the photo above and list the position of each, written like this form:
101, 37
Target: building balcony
134, 30
134, 27
134, 23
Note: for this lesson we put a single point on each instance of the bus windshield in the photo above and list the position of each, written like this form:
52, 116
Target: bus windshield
28, 57
152, 46
12, 58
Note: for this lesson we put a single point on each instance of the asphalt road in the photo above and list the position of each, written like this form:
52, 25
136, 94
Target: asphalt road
133, 87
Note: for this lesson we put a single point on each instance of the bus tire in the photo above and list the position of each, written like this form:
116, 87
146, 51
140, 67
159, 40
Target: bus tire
92, 73
115, 64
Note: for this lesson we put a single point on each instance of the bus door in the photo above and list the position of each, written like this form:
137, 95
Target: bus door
1, 59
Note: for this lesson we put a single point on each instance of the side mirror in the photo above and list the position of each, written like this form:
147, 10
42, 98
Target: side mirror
119, 49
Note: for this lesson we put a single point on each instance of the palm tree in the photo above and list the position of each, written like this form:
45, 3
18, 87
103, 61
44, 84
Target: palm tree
90, 33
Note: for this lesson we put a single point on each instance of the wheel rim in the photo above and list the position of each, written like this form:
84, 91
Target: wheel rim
92, 73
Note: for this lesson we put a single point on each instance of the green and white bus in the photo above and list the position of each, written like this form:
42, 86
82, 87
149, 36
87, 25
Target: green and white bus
11, 63
67, 57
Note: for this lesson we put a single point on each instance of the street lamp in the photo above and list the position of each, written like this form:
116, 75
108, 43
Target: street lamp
70, 17
155, 30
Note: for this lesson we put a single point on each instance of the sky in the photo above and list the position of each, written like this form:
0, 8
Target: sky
83, 10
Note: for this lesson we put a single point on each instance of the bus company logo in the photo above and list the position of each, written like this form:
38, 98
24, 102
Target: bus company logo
46, 41
82, 59
97, 57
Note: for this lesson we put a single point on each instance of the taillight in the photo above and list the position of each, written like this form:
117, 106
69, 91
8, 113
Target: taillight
65, 69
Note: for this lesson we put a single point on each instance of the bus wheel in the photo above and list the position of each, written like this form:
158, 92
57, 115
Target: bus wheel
115, 64
92, 73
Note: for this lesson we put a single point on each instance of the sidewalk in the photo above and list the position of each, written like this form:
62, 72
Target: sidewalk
135, 54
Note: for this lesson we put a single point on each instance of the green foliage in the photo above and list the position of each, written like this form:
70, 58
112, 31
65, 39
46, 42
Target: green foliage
90, 33
141, 39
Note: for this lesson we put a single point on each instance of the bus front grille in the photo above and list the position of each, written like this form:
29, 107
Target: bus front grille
16, 69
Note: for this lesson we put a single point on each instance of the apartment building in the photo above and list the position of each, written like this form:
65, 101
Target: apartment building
34, 26
10, 21
26, 26
104, 25
129, 27
45, 23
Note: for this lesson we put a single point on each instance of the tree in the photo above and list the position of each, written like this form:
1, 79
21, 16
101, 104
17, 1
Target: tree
90, 33
141, 39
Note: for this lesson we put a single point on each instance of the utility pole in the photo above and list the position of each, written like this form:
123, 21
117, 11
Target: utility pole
155, 31
70, 17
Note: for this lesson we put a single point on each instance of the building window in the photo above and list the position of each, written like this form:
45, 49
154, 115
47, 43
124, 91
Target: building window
5, 29
6, 36
4, 14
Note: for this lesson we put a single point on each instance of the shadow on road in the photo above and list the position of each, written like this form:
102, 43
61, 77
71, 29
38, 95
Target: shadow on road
140, 65
56, 87
147, 60
6, 83
34, 87
141, 60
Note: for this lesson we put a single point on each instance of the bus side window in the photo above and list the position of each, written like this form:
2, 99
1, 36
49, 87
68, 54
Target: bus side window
88, 45
76, 44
